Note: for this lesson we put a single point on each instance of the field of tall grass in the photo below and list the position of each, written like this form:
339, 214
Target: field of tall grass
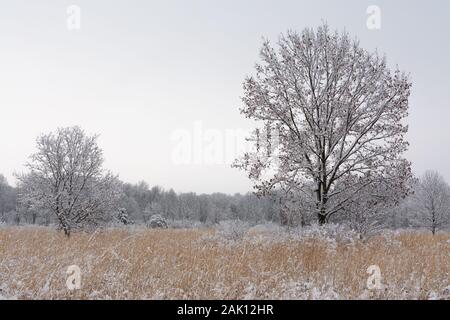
209, 263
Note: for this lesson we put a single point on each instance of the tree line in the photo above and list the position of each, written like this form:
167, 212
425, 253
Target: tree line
427, 207
140, 201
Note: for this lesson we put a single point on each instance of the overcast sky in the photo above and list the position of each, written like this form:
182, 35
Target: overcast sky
143, 73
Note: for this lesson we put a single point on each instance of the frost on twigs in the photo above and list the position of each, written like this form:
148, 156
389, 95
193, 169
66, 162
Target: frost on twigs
185, 224
227, 232
232, 229
330, 231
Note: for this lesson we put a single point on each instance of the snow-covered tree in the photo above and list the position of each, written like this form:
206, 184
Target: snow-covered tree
431, 201
337, 113
66, 177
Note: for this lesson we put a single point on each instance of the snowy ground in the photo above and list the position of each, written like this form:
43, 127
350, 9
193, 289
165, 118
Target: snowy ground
230, 261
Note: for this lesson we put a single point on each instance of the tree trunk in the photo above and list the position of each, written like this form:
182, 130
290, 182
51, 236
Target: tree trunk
66, 229
433, 218
322, 195
321, 207
64, 225
322, 218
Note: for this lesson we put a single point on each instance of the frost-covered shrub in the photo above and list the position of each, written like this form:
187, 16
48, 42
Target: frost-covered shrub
267, 227
157, 221
232, 229
123, 217
186, 224
329, 231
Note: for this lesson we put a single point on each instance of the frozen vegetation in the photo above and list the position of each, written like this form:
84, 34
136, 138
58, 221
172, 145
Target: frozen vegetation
232, 260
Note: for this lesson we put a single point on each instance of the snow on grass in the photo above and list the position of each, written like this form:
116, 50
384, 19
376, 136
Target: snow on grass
230, 261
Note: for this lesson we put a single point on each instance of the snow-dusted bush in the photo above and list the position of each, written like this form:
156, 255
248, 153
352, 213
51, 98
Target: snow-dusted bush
266, 227
186, 224
329, 231
232, 229
157, 221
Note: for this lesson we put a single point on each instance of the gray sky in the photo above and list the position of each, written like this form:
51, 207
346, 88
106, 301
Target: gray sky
139, 72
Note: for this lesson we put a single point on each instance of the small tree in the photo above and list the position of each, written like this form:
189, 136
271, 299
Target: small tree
124, 217
431, 201
331, 116
66, 177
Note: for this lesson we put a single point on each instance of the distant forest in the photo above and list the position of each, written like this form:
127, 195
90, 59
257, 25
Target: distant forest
141, 202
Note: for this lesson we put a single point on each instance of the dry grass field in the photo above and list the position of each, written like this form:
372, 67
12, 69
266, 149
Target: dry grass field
201, 264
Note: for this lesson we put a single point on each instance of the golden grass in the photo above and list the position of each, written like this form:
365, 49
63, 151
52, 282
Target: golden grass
192, 264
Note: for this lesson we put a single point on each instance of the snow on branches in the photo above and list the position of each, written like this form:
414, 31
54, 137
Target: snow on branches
338, 114
66, 177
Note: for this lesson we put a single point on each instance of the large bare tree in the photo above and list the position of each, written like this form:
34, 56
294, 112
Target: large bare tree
337, 112
66, 177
